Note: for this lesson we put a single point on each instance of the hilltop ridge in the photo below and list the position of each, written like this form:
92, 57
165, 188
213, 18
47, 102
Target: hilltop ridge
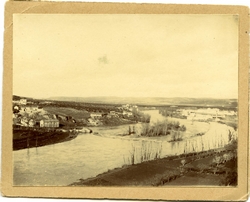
152, 100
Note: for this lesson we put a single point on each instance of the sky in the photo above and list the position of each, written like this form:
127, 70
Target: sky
137, 55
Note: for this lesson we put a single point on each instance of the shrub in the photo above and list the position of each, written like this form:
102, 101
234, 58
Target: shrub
217, 160
163, 128
202, 167
183, 162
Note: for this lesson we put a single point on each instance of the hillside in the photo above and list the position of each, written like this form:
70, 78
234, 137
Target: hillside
152, 101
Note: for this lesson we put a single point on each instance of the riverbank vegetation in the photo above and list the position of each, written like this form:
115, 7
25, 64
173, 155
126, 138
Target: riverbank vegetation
172, 112
139, 116
161, 128
216, 167
145, 152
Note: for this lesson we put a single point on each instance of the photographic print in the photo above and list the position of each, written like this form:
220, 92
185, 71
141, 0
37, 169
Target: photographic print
125, 101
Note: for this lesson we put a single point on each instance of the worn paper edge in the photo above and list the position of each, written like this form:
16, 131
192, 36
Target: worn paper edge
202, 193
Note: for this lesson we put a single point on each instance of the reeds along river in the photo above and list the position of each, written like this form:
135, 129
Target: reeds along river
89, 155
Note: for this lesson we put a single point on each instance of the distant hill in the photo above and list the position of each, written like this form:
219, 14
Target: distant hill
16, 97
152, 101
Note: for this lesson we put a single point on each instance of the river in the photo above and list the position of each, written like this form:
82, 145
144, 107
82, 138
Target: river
91, 154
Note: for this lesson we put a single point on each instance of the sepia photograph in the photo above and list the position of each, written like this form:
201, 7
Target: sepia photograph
125, 100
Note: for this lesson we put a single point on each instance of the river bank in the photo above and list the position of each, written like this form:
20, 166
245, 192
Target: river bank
27, 138
187, 169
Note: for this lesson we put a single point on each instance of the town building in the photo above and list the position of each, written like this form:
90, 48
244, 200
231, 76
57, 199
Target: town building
113, 114
127, 113
23, 101
24, 121
16, 107
30, 109
128, 107
16, 101
95, 115
49, 123
92, 121
31, 123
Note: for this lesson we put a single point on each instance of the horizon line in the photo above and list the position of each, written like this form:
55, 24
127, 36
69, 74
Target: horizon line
121, 97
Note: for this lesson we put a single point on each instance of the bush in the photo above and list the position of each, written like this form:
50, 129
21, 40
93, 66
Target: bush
217, 160
183, 162
165, 127
202, 167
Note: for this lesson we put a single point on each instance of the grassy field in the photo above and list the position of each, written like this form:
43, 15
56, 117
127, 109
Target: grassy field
63, 111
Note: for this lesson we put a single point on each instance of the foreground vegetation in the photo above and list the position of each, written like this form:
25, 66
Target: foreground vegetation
147, 151
214, 167
163, 128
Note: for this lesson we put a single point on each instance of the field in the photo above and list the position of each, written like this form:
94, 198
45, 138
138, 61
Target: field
63, 111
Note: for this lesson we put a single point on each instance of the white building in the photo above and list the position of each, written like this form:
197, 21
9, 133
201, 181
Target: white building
31, 109
92, 121
31, 123
24, 121
95, 115
49, 123
23, 101
127, 113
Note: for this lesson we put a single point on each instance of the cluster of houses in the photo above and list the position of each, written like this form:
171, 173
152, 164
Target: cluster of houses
206, 113
95, 119
128, 108
123, 111
29, 109
29, 115
33, 122
32, 116
20, 102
